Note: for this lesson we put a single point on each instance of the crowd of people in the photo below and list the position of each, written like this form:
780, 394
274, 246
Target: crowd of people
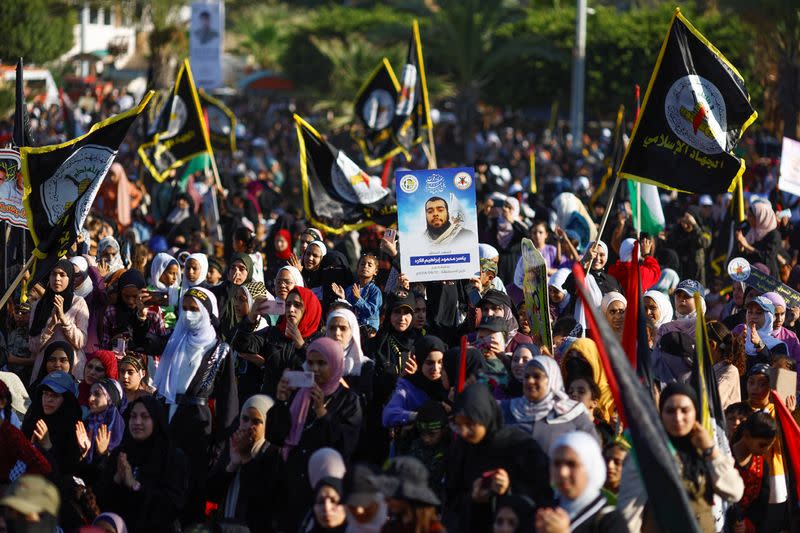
248, 371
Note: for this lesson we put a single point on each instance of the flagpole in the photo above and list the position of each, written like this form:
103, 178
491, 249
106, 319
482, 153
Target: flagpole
17, 280
423, 82
638, 209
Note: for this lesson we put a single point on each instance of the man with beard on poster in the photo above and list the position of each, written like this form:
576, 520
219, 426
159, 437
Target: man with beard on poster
441, 232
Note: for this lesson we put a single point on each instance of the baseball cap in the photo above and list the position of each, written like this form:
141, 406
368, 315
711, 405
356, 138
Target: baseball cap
706, 200
690, 286
32, 493
487, 265
764, 303
60, 382
493, 323
759, 369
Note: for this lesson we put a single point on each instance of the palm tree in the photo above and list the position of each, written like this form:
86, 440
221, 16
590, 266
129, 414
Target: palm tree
264, 32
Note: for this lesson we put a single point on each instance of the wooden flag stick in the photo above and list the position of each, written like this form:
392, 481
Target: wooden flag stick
605, 219
17, 280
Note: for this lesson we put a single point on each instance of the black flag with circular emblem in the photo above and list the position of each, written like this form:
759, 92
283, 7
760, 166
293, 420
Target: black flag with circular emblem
375, 107
695, 110
337, 195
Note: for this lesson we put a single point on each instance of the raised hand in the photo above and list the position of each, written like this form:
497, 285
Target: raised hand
337, 290
83, 438
410, 366
102, 440
58, 307
41, 435
318, 401
295, 262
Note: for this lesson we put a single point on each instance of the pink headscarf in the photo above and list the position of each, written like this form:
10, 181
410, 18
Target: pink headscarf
331, 350
765, 222
123, 196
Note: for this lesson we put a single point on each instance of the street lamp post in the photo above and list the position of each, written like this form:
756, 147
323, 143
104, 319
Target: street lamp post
578, 76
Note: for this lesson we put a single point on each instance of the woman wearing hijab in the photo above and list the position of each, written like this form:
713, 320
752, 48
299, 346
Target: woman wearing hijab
327, 414
312, 258
333, 272
604, 281
240, 272
246, 344
50, 423
58, 355
286, 279
391, 350
195, 270
359, 370
181, 221
145, 480
60, 315
559, 298
763, 243
613, 306
519, 358
280, 254
488, 460
544, 410
727, 354
475, 367
239, 480
284, 346
103, 420
786, 336
118, 197
582, 359
89, 285
705, 470
165, 279
326, 470
132, 378
415, 389
578, 473
194, 367
760, 345
505, 233
513, 514
657, 307
109, 258
100, 364
133, 318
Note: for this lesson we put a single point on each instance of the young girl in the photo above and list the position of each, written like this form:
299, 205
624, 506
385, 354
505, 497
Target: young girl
165, 278
752, 441
103, 428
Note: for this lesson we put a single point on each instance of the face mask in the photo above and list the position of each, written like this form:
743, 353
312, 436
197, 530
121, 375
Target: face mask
193, 318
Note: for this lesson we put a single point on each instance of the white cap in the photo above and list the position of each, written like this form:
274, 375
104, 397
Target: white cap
706, 200
582, 183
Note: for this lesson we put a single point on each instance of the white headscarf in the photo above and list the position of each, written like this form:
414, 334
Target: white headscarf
765, 331
556, 401
85, 288
487, 251
184, 351
325, 462
296, 275
557, 282
611, 297
626, 250
116, 261
664, 306
588, 450
321, 245
160, 263
202, 260
353, 356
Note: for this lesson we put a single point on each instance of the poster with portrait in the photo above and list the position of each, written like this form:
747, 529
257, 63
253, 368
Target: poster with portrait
206, 40
11, 208
437, 224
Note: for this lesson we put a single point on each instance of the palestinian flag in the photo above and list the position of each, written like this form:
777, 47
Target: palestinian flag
652, 214
220, 121
703, 379
337, 195
412, 114
61, 183
789, 433
182, 135
656, 462
375, 109
695, 110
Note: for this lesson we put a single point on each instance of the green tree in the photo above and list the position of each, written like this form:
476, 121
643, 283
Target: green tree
470, 47
265, 31
776, 25
37, 30
167, 40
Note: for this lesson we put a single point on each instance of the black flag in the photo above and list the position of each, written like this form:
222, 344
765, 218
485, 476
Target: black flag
180, 137
412, 114
220, 121
695, 110
61, 182
22, 127
337, 195
375, 109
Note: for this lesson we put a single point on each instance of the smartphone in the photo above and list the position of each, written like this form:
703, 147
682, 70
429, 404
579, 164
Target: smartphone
299, 379
486, 478
120, 345
272, 307
390, 234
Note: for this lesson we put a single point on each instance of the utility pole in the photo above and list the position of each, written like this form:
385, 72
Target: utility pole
578, 76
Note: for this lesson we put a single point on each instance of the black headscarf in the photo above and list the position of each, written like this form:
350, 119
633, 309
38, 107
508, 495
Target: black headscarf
478, 404
405, 339
149, 454
694, 466
60, 426
45, 306
422, 347
48, 351
125, 315
476, 363
522, 506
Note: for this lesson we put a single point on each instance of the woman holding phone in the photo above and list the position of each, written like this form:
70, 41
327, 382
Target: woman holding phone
303, 420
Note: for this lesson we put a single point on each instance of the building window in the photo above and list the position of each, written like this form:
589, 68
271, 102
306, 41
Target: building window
107, 17
93, 15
